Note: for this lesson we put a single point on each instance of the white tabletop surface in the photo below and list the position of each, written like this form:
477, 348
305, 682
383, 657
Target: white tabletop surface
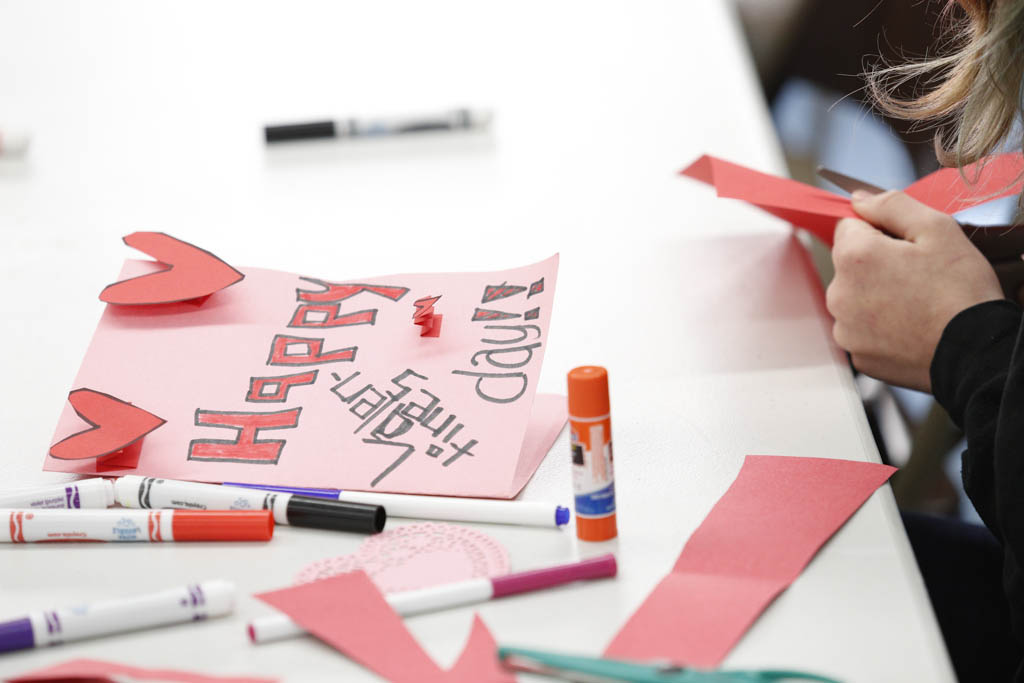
147, 116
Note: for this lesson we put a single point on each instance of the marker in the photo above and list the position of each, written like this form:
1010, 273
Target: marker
445, 596
173, 606
148, 492
34, 526
90, 494
590, 425
526, 513
452, 120
13, 142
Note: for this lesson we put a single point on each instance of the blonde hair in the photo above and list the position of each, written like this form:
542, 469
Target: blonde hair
972, 94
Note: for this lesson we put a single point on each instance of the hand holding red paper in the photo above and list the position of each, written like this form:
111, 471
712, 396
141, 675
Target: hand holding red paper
892, 298
818, 210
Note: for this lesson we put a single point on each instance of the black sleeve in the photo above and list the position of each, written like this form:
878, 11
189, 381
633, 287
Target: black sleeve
978, 377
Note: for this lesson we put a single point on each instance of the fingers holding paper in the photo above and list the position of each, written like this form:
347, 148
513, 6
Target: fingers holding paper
901, 274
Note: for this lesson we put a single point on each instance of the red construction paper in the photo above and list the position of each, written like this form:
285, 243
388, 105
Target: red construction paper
115, 428
426, 317
990, 179
348, 613
756, 540
818, 210
95, 670
191, 273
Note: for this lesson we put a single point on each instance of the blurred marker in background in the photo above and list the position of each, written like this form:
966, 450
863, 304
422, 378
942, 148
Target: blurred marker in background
453, 120
13, 142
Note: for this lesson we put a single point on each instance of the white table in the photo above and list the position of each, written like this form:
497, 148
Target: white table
707, 314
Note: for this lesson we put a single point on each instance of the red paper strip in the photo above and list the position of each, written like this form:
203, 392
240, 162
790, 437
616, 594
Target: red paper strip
757, 539
116, 425
191, 273
348, 613
818, 210
94, 670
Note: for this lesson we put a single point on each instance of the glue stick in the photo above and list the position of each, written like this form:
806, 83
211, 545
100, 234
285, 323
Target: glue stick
593, 482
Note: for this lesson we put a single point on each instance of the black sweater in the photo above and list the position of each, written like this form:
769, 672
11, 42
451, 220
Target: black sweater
978, 377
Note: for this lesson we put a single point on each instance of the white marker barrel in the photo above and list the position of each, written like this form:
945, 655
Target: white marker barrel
320, 513
151, 493
406, 603
526, 513
447, 595
51, 627
30, 526
86, 494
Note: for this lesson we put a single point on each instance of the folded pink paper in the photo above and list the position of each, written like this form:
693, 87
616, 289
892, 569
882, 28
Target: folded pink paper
298, 381
348, 613
755, 541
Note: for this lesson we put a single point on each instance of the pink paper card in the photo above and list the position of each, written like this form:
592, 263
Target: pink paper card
373, 634
756, 540
94, 670
282, 379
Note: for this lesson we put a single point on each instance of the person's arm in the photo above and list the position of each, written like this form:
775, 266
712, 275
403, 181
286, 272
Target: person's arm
978, 376
894, 298
969, 379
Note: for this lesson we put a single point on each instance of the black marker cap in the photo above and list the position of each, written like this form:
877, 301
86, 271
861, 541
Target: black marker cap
322, 513
299, 131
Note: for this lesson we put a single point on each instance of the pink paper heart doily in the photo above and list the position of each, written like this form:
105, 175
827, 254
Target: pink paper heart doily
417, 556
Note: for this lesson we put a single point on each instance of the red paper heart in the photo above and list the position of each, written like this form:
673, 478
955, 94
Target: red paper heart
191, 273
115, 426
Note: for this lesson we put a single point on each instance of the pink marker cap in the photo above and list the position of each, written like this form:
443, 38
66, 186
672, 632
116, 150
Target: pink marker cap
594, 568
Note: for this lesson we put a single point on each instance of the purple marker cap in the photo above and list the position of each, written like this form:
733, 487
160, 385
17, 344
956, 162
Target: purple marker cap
594, 568
16, 635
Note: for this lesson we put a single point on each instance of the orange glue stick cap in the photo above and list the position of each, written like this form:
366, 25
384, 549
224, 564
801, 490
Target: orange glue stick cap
588, 391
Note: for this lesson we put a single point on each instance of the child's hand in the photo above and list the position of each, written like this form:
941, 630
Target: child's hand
892, 298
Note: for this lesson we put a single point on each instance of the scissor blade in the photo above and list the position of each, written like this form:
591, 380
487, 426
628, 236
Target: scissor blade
846, 182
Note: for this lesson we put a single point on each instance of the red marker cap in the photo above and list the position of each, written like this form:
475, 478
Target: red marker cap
226, 525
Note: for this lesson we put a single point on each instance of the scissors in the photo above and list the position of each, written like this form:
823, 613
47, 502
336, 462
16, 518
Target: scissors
599, 670
1001, 245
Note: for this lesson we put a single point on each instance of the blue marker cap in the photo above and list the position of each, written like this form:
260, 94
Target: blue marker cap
16, 635
561, 516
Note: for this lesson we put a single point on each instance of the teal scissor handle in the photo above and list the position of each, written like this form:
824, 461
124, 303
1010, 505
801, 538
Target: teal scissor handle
600, 670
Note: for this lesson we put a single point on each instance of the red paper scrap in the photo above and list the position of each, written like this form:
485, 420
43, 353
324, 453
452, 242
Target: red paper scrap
191, 273
115, 426
990, 179
756, 540
95, 670
426, 317
818, 210
375, 635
